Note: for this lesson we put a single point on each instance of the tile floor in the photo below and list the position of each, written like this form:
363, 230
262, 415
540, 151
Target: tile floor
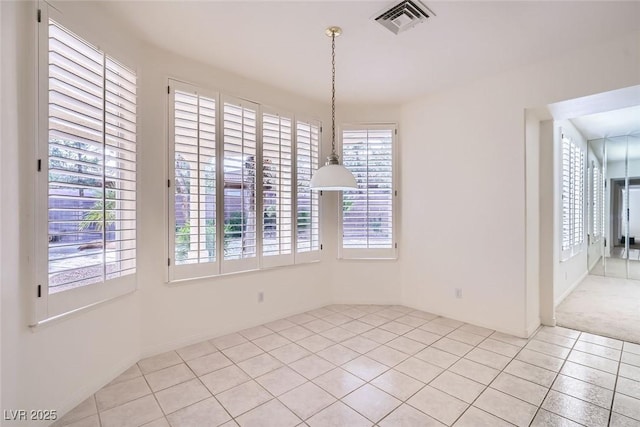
363, 365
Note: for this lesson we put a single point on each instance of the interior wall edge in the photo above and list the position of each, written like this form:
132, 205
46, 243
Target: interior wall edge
570, 289
80, 395
515, 331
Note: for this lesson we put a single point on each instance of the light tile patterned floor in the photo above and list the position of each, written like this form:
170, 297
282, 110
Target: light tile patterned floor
363, 365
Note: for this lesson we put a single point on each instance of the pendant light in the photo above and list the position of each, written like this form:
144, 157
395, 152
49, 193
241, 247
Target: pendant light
333, 176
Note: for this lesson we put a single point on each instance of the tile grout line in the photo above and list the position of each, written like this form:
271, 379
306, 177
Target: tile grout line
388, 368
553, 382
492, 381
164, 415
615, 385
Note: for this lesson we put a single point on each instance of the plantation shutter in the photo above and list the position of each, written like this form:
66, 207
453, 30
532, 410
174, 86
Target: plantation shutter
307, 201
76, 161
368, 213
194, 184
120, 169
277, 160
89, 111
573, 193
578, 194
566, 195
240, 185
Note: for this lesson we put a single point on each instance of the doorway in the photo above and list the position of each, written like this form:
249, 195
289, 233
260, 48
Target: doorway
589, 281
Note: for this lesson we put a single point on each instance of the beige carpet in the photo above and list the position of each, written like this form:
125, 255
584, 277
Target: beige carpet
603, 306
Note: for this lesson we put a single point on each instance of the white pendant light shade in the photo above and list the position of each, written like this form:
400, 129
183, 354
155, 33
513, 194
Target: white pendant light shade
333, 178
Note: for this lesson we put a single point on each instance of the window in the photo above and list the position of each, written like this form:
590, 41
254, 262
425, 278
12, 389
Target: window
238, 183
87, 173
369, 213
573, 159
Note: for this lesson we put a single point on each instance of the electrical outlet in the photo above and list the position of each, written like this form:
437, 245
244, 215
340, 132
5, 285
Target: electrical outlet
458, 292
260, 296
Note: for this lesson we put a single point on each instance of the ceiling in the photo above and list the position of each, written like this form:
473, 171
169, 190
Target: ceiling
621, 122
282, 43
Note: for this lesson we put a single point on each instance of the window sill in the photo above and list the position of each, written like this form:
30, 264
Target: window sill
44, 323
190, 280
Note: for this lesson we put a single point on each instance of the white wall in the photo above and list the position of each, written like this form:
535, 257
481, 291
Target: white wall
547, 250
568, 273
465, 226
533, 135
55, 366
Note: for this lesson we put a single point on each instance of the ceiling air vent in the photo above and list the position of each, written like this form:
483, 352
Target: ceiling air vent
403, 15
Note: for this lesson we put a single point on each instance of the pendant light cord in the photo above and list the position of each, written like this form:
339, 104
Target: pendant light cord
333, 93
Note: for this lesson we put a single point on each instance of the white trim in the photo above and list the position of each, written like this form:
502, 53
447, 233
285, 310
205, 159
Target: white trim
41, 235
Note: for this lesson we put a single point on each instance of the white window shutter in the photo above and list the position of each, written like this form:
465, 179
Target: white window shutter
307, 201
573, 198
89, 206
193, 235
240, 145
277, 191
368, 213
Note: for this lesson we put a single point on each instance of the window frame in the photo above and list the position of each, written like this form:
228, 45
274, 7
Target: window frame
47, 305
373, 253
178, 273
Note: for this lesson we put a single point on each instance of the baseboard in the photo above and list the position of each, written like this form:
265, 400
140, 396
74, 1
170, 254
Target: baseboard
83, 393
367, 302
570, 289
520, 333
152, 350
533, 327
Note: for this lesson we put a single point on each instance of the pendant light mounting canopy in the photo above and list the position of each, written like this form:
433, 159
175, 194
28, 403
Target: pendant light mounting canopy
333, 31
333, 176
